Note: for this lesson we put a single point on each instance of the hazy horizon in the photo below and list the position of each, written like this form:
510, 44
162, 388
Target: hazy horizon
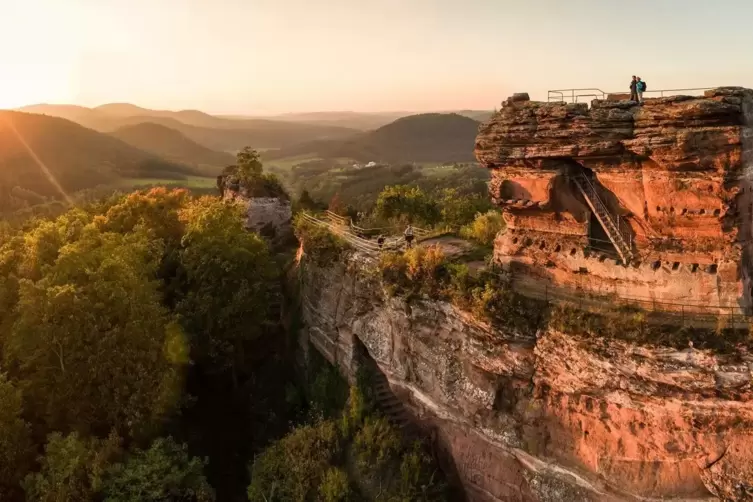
271, 57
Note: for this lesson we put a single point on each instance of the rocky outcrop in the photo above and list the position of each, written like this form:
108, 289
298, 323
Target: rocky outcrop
548, 416
676, 172
271, 217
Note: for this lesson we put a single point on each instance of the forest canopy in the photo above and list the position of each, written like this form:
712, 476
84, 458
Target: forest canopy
105, 309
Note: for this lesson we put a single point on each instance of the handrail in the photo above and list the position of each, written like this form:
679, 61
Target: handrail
617, 234
572, 95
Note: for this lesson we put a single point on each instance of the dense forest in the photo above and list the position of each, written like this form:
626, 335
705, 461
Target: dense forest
148, 354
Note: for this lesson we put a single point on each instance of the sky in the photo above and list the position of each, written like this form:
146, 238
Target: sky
260, 57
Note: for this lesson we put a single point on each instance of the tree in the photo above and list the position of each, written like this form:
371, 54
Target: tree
164, 472
16, 450
248, 164
294, 467
89, 338
229, 283
407, 204
459, 209
71, 469
484, 228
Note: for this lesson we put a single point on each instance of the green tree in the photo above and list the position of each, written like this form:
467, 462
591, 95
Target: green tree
459, 209
89, 339
229, 283
71, 469
248, 164
407, 204
163, 473
16, 450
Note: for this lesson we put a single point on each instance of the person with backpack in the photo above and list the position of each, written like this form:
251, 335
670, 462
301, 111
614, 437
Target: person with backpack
640, 88
408, 234
634, 89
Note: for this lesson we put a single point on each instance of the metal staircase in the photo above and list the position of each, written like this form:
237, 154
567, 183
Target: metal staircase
613, 225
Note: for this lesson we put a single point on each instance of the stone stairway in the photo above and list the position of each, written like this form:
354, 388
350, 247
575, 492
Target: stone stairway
393, 409
613, 225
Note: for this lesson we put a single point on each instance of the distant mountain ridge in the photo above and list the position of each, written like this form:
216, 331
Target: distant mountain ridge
215, 133
427, 137
170, 144
71, 156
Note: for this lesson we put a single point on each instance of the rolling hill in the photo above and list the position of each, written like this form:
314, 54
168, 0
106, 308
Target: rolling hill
215, 133
39, 153
171, 144
428, 137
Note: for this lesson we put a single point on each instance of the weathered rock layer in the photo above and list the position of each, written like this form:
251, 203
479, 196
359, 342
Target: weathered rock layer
676, 171
550, 417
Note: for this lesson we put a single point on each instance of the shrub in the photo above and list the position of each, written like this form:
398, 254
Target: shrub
484, 228
334, 486
294, 467
375, 443
420, 270
265, 185
321, 245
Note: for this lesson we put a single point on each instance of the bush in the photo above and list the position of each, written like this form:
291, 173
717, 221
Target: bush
294, 467
484, 228
321, 245
420, 270
265, 185
334, 487
374, 444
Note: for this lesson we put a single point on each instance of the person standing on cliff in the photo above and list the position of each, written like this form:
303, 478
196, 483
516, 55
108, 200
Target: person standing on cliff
408, 234
640, 88
634, 89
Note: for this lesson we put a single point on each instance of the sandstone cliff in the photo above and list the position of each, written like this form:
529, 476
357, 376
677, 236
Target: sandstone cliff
545, 416
675, 173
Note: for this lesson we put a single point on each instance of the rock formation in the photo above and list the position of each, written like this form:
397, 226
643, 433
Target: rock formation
270, 216
672, 180
548, 416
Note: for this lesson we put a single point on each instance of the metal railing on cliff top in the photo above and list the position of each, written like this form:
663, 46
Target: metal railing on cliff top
577, 95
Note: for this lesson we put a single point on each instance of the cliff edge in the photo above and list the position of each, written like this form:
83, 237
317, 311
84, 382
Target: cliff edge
545, 415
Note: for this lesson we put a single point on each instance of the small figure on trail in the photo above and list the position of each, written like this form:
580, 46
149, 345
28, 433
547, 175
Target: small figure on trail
408, 234
640, 88
380, 241
634, 89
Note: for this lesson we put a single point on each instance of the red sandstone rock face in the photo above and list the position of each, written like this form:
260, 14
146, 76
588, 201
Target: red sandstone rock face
550, 418
678, 170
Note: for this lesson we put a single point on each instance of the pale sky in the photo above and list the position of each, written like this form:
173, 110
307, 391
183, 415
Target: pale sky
274, 56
